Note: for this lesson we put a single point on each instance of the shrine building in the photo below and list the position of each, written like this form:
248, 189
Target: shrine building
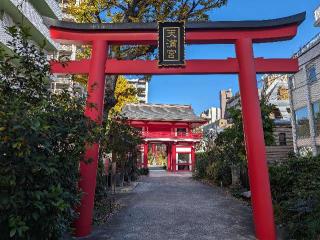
168, 127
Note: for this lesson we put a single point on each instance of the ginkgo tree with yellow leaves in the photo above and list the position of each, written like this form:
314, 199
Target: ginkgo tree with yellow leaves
125, 11
124, 93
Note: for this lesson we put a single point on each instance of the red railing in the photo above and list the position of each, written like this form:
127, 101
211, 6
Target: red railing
171, 135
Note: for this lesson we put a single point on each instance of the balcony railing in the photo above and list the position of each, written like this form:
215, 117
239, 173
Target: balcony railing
172, 135
34, 18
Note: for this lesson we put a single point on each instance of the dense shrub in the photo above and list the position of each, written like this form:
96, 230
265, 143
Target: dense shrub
211, 165
41, 142
220, 173
295, 188
202, 162
144, 171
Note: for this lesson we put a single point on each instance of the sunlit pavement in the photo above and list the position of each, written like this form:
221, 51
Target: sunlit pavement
167, 206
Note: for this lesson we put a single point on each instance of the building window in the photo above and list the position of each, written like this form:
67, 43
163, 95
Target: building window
181, 131
277, 113
316, 114
291, 82
311, 73
282, 139
302, 123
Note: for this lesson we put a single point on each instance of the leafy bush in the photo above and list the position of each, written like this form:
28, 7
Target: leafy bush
144, 171
228, 150
42, 139
295, 188
220, 172
201, 165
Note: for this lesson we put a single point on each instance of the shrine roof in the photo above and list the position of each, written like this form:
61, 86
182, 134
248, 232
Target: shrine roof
160, 112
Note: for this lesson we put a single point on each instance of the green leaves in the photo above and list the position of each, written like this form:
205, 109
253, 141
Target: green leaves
42, 140
228, 149
295, 188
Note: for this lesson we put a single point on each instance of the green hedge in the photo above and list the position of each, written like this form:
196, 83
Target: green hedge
295, 186
42, 139
211, 165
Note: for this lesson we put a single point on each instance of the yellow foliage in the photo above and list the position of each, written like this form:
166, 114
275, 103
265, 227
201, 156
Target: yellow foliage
124, 93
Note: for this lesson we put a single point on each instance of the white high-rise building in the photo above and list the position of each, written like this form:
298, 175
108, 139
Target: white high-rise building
142, 86
212, 114
67, 51
29, 13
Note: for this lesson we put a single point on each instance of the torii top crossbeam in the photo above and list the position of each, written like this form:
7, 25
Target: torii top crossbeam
196, 33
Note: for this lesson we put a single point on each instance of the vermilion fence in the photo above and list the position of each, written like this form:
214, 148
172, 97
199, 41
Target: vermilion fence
156, 134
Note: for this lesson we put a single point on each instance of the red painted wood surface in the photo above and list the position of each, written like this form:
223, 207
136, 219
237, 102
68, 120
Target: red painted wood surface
171, 135
192, 37
88, 172
225, 66
255, 145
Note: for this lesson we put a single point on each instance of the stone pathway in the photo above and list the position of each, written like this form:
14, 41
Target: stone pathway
166, 206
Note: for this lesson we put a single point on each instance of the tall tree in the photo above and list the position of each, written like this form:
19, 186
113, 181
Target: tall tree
119, 11
124, 93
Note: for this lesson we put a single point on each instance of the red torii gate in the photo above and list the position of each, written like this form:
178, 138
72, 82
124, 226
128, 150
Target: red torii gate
241, 33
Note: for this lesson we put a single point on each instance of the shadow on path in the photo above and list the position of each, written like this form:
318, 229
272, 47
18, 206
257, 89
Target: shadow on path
166, 206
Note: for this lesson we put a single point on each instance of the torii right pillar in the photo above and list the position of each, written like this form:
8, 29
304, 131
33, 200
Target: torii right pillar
254, 141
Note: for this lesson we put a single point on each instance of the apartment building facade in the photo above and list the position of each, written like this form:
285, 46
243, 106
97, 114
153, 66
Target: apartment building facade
142, 86
29, 13
305, 99
63, 82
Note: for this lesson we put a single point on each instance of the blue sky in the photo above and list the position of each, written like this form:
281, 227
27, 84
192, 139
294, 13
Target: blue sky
202, 91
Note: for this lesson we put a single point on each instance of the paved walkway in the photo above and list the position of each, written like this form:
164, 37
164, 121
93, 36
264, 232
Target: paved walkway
168, 206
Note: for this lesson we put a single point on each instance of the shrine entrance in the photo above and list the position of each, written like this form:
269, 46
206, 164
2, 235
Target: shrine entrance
157, 156
243, 34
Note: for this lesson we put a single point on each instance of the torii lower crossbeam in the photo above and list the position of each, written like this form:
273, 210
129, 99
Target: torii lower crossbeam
227, 66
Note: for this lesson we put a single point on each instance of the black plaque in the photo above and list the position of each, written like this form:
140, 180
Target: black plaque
171, 44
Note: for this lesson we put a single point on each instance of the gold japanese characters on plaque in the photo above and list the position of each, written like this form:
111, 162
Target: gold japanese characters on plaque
171, 44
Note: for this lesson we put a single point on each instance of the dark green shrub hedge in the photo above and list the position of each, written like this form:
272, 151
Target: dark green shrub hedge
144, 171
41, 143
219, 172
295, 188
202, 162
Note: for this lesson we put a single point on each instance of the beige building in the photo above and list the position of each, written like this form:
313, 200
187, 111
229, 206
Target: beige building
275, 90
225, 95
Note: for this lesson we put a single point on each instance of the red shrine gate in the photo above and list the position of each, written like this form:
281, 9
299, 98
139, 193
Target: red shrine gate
171, 125
243, 34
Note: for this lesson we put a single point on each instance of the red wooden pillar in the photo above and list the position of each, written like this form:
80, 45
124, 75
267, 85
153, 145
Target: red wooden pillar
145, 155
153, 149
193, 158
173, 157
169, 157
88, 171
255, 145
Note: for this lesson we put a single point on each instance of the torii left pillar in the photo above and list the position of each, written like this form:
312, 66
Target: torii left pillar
94, 111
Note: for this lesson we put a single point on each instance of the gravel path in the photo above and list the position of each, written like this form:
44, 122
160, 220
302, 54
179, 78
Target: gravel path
167, 206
